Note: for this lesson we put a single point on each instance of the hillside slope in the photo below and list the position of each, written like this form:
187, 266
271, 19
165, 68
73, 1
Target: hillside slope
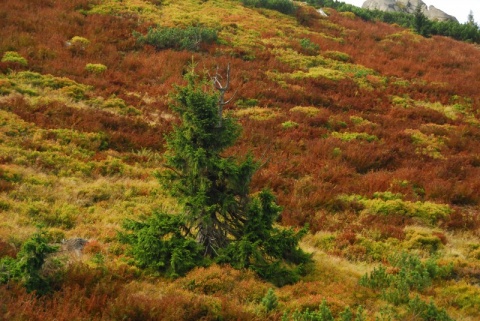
369, 133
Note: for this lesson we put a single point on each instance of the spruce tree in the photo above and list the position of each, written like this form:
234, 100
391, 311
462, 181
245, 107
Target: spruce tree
214, 190
421, 24
219, 214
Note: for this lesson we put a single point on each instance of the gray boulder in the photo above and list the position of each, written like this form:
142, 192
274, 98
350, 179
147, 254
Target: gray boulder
408, 6
382, 5
437, 14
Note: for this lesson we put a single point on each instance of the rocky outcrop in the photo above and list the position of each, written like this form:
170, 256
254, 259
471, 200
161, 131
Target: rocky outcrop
437, 14
408, 6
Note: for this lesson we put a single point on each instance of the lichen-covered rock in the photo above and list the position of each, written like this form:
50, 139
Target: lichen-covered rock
407, 6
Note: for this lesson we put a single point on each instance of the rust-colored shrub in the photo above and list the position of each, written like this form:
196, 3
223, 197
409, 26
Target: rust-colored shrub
7, 249
124, 133
466, 219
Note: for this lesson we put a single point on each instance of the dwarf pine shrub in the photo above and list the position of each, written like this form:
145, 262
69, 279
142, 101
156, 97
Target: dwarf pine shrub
324, 314
270, 301
283, 6
416, 274
26, 268
309, 47
410, 274
190, 38
427, 312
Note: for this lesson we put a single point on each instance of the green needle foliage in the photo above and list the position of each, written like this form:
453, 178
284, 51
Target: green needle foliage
27, 267
270, 301
213, 189
219, 214
158, 244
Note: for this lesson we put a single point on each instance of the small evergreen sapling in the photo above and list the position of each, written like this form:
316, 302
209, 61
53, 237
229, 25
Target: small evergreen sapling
27, 267
270, 301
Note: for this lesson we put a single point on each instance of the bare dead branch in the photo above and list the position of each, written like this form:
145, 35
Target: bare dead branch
217, 84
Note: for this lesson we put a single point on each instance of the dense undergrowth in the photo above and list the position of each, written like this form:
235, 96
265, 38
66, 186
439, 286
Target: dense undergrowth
366, 131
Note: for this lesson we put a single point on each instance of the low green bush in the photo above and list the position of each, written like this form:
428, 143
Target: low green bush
417, 274
283, 6
309, 47
388, 203
324, 314
349, 136
14, 57
427, 312
245, 103
289, 124
337, 55
190, 38
158, 244
26, 268
408, 273
270, 301
95, 68
78, 44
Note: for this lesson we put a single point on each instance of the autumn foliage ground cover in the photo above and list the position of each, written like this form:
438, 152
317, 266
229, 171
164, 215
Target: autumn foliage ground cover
367, 132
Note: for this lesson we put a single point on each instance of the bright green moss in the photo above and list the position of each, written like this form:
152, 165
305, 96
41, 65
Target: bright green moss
421, 239
257, 113
289, 124
428, 145
404, 102
96, 68
46, 86
146, 10
14, 57
337, 55
296, 59
389, 204
317, 72
349, 136
307, 110
464, 296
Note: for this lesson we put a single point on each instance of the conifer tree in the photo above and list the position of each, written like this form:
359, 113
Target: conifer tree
212, 189
421, 24
218, 213
470, 19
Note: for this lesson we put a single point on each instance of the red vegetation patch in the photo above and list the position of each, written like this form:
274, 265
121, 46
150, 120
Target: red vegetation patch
95, 295
124, 133
7, 249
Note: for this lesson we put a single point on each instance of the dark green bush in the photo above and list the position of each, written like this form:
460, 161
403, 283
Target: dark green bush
158, 243
428, 312
270, 301
265, 248
27, 267
190, 38
412, 272
324, 314
283, 6
309, 47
